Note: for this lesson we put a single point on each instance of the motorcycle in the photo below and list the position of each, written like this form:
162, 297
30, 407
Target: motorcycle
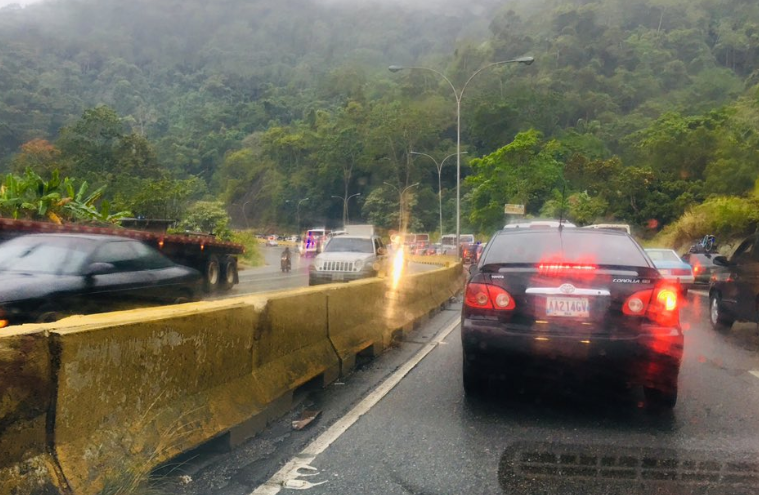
285, 263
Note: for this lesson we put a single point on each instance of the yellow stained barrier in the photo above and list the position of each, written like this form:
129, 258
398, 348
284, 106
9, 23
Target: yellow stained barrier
131, 390
442, 260
26, 387
291, 343
136, 388
356, 319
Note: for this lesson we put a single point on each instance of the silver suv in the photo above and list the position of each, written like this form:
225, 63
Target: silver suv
348, 257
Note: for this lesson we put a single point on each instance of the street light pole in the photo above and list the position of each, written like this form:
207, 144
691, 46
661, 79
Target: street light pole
459, 95
400, 202
345, 206
439, 167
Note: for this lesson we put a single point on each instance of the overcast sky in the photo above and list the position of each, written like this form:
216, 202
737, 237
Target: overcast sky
3, 3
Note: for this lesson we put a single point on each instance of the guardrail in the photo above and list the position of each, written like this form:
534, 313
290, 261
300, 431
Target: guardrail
92, 400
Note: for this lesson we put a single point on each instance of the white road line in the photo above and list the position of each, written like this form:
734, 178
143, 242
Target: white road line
701, 293
290, 470
755, 373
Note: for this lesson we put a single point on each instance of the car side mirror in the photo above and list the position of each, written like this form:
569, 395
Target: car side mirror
473, 269
721, 261
99, 269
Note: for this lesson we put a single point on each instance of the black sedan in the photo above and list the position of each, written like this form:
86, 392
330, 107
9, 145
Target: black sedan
47, 276
734, 289
571, 301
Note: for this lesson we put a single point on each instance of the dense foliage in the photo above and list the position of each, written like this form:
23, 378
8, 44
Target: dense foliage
634, 110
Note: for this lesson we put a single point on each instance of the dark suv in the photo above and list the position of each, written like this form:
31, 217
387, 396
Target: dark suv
734, 289
571, 299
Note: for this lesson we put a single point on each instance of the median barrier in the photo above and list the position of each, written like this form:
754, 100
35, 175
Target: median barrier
26, 462
356, 319
292, 343
98, 401
136, 388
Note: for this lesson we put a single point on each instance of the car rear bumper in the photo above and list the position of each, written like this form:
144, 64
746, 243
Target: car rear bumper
686, 282
649, 358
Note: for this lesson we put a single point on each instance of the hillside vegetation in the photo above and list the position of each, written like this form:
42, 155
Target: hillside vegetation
634, 110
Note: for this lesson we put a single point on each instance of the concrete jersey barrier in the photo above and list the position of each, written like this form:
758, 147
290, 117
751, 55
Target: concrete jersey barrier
102, 399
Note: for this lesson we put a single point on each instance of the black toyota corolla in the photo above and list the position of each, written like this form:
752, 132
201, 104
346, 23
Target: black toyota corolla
571, 299
44, 277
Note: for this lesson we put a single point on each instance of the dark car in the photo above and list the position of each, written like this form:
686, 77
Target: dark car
734, 289
572, 300
703, 266
47, 276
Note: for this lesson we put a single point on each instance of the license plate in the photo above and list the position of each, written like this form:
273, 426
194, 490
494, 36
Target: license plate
338, 277
575, 307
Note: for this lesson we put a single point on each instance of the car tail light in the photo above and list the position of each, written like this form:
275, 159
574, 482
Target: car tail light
660, 305
3, 322
696, 269
486, 296
557, 269
681, 272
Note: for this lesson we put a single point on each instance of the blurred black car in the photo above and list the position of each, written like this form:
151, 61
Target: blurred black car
703, 266
47, 276
547, 302
734, 289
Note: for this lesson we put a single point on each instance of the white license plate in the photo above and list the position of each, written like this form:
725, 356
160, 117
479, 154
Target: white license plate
575, 307
338, 277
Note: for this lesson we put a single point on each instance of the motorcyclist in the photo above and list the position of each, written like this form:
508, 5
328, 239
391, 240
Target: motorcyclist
286, 259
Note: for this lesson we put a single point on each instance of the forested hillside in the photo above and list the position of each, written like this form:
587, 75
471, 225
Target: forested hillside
636, 110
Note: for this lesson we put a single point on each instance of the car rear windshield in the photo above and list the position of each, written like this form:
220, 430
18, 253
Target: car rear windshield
347, 245
570, 246
662, 255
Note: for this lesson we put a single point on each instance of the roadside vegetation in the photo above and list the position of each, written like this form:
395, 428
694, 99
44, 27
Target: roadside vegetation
637, 111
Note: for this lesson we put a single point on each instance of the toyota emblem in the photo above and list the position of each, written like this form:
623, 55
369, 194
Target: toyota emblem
567, 289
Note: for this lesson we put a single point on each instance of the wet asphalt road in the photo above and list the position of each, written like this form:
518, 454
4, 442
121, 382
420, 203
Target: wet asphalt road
425, 437
270, 277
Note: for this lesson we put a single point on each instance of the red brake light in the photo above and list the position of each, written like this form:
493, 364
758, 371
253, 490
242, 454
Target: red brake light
660, 305
486, 296
555, 269
696, 269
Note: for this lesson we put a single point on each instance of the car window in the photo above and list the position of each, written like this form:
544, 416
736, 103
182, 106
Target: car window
662, 255
347, 245
150, 259
121, 254
62, 256
744, 251
536, 246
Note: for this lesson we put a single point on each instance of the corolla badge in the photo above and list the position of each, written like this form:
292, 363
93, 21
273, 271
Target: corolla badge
567, 289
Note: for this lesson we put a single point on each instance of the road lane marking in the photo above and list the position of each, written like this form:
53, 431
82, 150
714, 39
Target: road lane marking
290, 470
755, 373
701, 293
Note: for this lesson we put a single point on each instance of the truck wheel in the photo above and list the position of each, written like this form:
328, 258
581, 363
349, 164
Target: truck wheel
211, 274
228, 274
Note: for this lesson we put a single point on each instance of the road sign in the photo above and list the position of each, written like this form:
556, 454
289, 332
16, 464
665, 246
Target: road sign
514, 209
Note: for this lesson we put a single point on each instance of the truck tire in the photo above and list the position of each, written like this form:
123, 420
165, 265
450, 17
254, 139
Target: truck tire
228, 273
211, 274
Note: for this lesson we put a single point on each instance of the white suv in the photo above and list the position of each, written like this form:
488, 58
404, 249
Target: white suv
346, 258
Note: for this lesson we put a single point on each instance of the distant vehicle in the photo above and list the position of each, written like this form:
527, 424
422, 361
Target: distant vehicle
348, 257
672, 268
44, 277
272, 241
621, 227
214, 258
478, 251
448, 243
360, 230
578, 300
539, 224
734, 289
313, 241
703, 266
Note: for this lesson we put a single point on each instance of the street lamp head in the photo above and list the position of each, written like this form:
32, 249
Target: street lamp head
395, 68
525, 60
